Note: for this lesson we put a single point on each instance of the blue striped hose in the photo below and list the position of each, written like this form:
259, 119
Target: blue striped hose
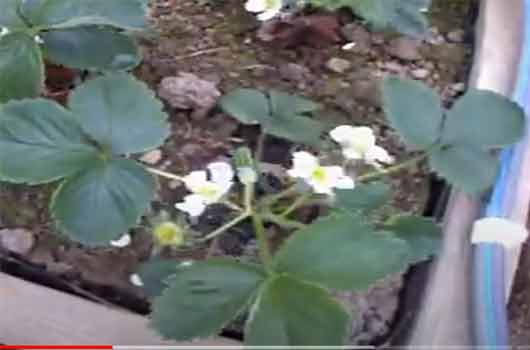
489, 300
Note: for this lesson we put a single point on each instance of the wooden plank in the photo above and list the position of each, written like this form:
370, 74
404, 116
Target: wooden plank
33, 314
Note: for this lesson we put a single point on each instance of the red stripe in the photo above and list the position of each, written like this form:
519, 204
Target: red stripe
65, 347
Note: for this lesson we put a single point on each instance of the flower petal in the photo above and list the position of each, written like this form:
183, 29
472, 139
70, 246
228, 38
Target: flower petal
269, 14
360, 138
320, 188
193, 204
342, 134
337, 178
195, 179
304, 163
121, 242
256, 5
378, 154
221, 173
352, 153
345, 183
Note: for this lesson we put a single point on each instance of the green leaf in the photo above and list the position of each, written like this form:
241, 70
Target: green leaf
279, 114
467, 168
154, 275
414, 110
93, 48
288, 104
422, 234
341, 252
9, 14
290, 118
125, 14
103, 202
248, 106
41, 142
120, 113
405, 16
484, 119
21, 67
364, 197
291, 312
204, 297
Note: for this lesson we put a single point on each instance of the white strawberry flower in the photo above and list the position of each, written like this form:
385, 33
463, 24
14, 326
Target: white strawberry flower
4, 31
266, 9
323, 179
359, 143
205, 192
121, 242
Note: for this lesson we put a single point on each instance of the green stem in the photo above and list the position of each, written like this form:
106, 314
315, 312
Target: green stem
248, 197
300, 201
226, 226
392, 169
233, 206
271, 199
283, 222
164, 174
263, 244
260, 147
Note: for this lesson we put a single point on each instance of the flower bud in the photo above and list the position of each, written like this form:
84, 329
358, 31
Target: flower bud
244, 164
247, 175
169, 234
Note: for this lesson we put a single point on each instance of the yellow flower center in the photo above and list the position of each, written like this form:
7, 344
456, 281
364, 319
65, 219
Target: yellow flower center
319, 175
269, 4
209, 191
168, 233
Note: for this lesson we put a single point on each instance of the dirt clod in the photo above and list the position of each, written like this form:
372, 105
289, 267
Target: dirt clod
187, 91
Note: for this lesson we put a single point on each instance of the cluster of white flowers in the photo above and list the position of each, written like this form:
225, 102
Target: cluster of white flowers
266, 9
358, 143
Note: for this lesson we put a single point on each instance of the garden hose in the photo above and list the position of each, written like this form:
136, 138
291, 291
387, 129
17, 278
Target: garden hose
490, 283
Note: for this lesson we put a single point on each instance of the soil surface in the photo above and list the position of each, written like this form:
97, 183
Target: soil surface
223, 48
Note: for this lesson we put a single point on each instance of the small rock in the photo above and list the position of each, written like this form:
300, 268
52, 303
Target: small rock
20, 241
404, 48
434, 37
456, 36
367, 92
450, 54
393, 67
174, 184
378, 39
294, 72
458, 87
420, 73
187, 91
358, 35
429, 65
338, 65
152, 157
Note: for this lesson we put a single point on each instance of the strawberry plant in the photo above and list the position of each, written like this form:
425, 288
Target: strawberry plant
88, 34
